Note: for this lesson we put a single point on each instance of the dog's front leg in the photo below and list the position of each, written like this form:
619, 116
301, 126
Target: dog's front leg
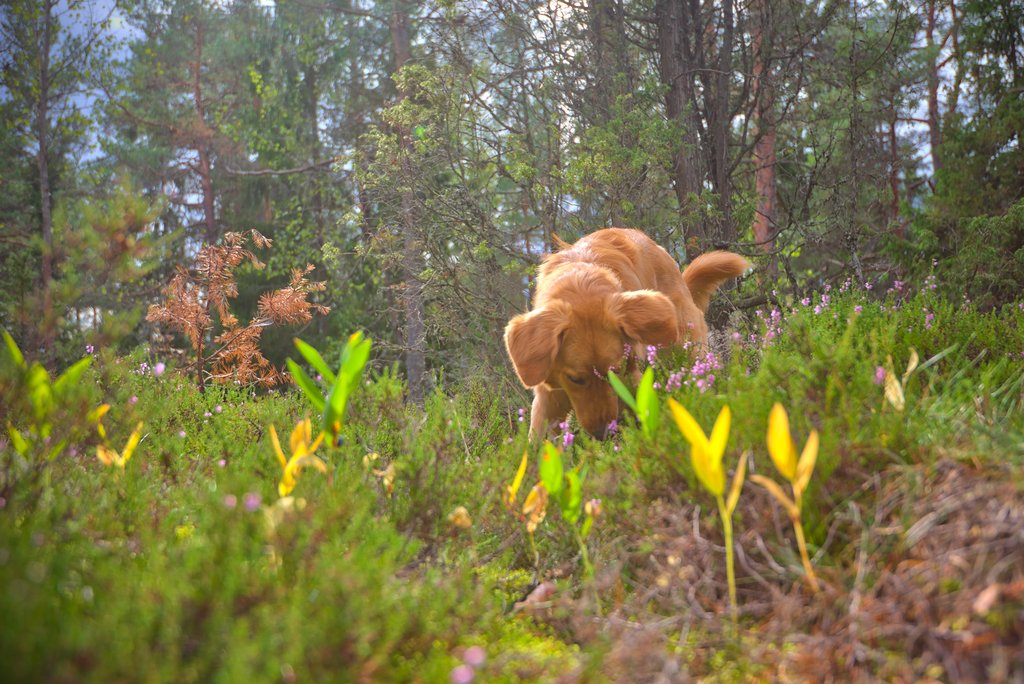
550, 406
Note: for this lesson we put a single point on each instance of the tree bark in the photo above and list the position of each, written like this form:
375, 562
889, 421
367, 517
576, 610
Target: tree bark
764, 158
43, 163
412, 254
202, 135
934, 130
675, 69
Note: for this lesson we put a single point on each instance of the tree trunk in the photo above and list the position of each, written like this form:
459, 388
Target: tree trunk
412, 255
675, 71
934, 130
43, 163
765, 183
202, 135
720, 122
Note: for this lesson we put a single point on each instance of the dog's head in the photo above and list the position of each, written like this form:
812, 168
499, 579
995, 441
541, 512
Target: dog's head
572, 346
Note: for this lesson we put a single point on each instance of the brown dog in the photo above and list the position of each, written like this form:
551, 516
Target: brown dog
613, 287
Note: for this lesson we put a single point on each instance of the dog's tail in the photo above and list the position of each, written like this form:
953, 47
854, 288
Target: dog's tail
704, 274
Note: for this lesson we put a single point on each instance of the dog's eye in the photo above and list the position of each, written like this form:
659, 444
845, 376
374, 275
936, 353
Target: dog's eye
577, 381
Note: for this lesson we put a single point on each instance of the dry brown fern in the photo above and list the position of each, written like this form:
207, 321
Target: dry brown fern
233, 354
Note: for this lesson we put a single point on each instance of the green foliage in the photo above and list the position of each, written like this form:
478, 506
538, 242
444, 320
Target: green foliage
981, 258
38, 410
646, 405
332, 406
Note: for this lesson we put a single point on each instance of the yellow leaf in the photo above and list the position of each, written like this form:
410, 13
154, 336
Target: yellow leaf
300, 435
133, 441
277, 447
780, 442
460, 518
911, 365
806, 465
720, 434
709, 472
387, 477
535, 507
689, 428
894, 391
302, 455
106, 455
776, 491
737, 485
705, 455
513, 489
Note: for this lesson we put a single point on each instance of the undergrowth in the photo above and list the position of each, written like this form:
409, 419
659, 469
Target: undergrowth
405, 558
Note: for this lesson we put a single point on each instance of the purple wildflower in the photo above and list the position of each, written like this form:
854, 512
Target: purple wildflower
463, 674
879, 375
475, 656
252, 501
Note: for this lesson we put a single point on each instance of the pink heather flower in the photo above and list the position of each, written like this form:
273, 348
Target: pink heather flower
230, 501
463, 674
737, 337
252, 501
817, 308
475, 656
652, 354
133, 400
522, 415
867, 286
567, 437
159, 368
879, 375
181, 433
207, 414
89, 349
222, 462
806, 301
3, 503
857, 309
613, 426
217, 408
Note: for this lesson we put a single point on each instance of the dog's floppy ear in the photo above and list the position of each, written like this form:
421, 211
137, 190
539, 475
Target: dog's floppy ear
533, 340
645, 316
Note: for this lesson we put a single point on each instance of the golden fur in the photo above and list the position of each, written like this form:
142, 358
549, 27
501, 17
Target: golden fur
610, 288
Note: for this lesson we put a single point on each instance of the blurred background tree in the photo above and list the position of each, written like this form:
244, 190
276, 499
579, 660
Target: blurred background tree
424, 155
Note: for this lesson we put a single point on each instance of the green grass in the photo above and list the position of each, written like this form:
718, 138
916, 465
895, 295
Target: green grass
185, 567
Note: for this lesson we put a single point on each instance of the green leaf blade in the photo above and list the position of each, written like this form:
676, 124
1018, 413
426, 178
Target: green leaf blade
551, 469
313, 358
622, 391
307, 385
